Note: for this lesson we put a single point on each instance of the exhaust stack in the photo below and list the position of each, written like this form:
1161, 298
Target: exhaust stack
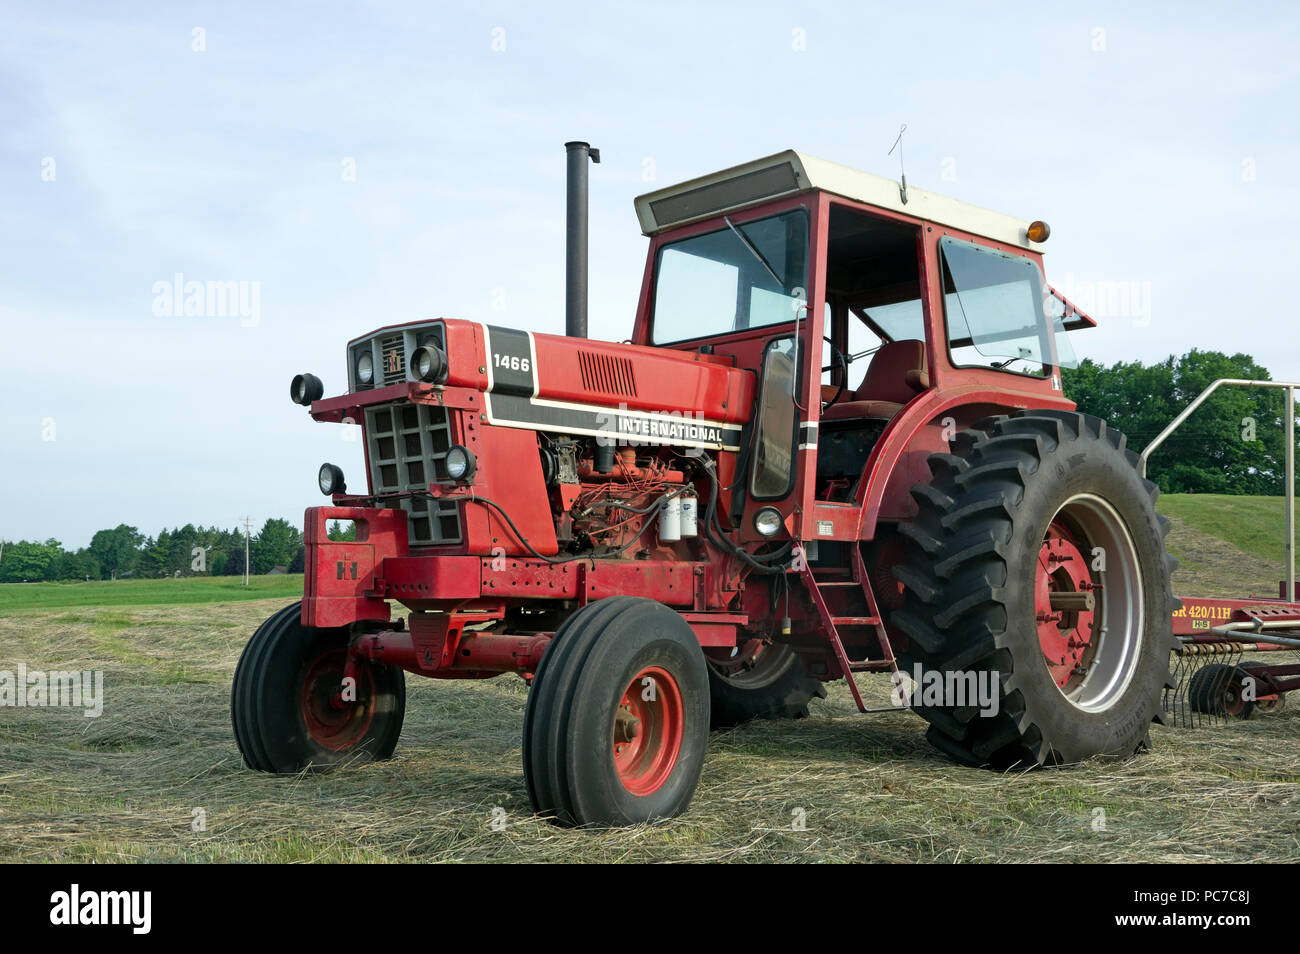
575, 240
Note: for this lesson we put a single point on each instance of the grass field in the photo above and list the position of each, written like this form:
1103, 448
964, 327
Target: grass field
127, 785
22, 597
1228, 546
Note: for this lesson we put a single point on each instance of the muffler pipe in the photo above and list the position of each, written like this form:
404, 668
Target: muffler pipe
575, 239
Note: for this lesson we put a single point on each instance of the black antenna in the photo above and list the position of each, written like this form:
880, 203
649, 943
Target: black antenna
898, 144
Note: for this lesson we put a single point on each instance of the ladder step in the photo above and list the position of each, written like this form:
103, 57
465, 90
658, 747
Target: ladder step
827, 584
855, 620
869, 665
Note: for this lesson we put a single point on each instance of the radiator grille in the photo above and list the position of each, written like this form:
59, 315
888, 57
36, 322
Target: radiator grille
606, 373
392, 352
407, 444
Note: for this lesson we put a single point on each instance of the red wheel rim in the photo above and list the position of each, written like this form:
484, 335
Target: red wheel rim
332, 722
1065, 636
647, 731
1232, 698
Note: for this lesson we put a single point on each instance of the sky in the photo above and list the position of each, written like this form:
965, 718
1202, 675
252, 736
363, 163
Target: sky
352, 165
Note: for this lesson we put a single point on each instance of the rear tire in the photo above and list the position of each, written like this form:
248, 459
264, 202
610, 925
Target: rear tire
775, 686
285, 703
617, 719
1010, 527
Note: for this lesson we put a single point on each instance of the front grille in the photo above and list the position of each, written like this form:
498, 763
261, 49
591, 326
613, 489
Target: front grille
606, 373
390, 353
407, 445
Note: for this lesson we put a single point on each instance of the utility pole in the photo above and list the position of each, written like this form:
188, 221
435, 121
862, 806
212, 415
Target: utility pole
247, 523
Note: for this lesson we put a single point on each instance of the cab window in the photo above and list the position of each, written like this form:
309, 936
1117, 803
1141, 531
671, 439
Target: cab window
998, 312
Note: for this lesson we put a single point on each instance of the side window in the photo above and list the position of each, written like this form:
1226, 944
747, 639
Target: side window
994, 304
778, 421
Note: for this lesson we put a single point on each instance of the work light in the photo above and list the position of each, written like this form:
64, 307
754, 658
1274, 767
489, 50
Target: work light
460, 463
331, 480
306, 388
767, 521
429, 364
365, 368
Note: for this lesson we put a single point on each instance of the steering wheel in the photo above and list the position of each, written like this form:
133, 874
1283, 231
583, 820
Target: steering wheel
841, 362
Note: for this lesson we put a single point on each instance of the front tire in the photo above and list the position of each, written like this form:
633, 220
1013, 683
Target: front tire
617, 719
289, 707
1027, 516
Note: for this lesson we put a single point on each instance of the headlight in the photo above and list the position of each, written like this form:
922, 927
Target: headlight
429, 364
767, 521
305, 388
365, 368
331, 480
460, 463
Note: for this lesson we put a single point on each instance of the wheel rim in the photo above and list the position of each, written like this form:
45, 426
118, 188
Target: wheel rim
648, 728
1090, 654
332, 723
1232, 697
753, 664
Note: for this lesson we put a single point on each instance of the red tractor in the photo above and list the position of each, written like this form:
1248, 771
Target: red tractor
707, 524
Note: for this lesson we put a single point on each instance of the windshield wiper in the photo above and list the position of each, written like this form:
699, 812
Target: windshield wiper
755, 252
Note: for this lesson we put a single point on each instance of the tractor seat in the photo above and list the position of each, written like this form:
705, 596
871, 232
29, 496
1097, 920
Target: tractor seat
897, 373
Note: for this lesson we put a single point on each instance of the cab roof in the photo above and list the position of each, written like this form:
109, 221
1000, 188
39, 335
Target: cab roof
791, 172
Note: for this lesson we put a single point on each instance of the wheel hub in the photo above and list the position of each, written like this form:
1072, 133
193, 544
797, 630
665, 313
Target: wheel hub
1064, 605
332, 719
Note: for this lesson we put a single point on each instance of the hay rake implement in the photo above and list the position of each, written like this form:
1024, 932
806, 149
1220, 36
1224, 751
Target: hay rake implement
1225, 661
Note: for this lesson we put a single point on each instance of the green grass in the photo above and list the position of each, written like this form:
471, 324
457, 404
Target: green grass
26, 597
1253, 524
126, 786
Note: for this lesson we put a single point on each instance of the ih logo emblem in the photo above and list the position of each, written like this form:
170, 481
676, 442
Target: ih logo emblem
393, 360
343, 567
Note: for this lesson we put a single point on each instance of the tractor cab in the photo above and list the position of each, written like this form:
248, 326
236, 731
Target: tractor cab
865, 310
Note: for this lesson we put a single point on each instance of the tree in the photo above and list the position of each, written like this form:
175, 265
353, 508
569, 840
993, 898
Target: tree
117, 550
29, 562
181, 556
234, 564
336, 531
76, 566
274, 545
299, 560
1233, 443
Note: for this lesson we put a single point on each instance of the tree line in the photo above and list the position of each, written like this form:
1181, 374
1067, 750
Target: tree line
124, 552
1234, 443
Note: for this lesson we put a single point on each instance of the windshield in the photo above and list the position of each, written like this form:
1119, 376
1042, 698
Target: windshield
744, 275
